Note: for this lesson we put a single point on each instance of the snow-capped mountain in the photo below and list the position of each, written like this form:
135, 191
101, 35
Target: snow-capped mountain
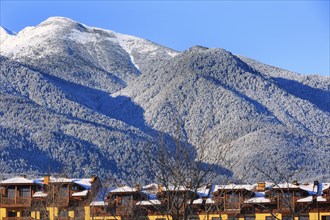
90, 56
98, 98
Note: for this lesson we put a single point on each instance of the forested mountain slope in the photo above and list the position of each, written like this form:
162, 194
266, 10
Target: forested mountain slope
88, 100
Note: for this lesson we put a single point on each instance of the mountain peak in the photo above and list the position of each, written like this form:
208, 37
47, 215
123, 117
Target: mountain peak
196, 49
59, 19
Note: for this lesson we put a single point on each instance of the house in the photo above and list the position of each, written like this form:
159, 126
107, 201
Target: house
16, 197
49, 197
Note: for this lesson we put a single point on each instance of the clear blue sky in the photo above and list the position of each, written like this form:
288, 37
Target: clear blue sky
293, 35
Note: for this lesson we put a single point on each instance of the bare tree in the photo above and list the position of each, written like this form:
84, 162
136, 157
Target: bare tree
181, 170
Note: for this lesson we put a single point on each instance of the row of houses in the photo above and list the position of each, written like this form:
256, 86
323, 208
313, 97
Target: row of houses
63, 199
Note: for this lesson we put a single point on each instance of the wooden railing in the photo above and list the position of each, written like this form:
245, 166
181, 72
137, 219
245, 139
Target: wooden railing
15, 201
17, 218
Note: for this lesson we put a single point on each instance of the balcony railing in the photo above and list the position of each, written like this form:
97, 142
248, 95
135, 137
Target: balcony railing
15, 201
17, 218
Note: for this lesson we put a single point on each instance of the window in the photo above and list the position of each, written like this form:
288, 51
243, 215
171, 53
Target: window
12, 214
24, 193
326, 217
126, 200
287, 218
249, 218
287, 200
26, 214
11, 193
232, 218
216, 218
270, 218
160, 218
303, 217
233, 201
63, 192
63, 213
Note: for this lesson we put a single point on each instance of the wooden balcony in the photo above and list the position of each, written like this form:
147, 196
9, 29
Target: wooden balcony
15, 202
17, 218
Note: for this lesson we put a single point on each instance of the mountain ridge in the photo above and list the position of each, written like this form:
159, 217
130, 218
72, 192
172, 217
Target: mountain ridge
107, 96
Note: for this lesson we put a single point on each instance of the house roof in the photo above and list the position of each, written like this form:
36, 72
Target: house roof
259, 197
149, 202
39, 194
234, 187
80, 194
86, 182
123, 189
310, 199
200, 201
17, 180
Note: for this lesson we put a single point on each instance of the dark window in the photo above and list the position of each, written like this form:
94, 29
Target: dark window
233, 201
249, 218
12, 214
26, 214
326, 217
11, 193
160, 218
232, 218
126, 200
63, 213
303, 217
287, 218
24, 193
216, 218
63, 192
270, 218
193, 217
287, 199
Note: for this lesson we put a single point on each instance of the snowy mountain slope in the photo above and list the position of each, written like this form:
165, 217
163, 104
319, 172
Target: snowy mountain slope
37, 140
214, 89
5, 34
85, 55
99, 98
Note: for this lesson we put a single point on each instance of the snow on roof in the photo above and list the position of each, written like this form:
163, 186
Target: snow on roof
82, 193
312, 188
149, 202
86, 183
200, 201
39, 194
123, 189
258, 198
175, 188
17, 180
310, 199
286, 186
233, 187
204, 191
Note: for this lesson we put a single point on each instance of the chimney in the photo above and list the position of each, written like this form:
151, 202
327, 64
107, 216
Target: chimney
160, 188
295, 182
46, 179
261, 186
318, 188
137, 187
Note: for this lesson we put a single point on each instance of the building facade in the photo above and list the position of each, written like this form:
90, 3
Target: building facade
52, 198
